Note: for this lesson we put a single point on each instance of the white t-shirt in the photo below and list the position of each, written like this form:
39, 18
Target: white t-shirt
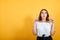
43, 28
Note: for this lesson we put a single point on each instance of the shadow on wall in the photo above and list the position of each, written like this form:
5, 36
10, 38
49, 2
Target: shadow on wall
26, 32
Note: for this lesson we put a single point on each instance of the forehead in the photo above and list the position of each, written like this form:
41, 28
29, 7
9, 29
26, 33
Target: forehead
44, 11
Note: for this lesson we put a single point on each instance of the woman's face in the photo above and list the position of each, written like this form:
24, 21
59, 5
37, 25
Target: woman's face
43, 14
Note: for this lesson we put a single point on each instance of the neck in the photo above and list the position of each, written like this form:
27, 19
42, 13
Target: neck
44, 20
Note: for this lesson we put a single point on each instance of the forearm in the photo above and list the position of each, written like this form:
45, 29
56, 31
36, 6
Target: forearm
34, 31
52, 30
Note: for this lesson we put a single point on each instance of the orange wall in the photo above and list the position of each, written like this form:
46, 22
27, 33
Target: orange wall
17, 17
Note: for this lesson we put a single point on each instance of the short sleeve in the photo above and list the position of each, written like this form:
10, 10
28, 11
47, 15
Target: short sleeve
35, 23
51, 23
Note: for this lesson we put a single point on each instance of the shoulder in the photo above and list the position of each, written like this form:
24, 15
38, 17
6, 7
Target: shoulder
50, 22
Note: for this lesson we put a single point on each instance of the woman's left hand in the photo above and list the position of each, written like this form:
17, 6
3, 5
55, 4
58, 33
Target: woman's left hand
52, 20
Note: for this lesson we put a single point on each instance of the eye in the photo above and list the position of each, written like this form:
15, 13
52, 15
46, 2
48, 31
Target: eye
45, 12
42, 12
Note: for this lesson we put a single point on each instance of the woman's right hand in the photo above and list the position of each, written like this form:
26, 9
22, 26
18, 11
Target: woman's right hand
36, 19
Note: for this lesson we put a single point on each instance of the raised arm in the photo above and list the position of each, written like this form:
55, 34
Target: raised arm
34, 28
52, 27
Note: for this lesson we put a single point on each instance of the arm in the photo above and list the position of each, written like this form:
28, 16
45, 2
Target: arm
34, 29
52, 27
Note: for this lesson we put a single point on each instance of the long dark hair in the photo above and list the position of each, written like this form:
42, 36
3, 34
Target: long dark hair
40, 18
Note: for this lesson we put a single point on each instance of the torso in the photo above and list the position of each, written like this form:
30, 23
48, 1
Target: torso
43, 28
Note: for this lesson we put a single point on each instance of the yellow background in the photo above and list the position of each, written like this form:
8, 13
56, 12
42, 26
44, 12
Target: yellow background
17, 17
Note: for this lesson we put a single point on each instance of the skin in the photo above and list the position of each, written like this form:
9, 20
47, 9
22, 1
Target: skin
44, 15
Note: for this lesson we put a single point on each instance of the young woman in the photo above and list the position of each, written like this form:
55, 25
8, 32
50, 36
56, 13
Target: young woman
43, 27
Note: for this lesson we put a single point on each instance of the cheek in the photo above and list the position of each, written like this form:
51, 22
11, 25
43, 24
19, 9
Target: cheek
41, 15
45, 15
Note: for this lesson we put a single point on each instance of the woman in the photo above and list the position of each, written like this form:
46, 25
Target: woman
43, 27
